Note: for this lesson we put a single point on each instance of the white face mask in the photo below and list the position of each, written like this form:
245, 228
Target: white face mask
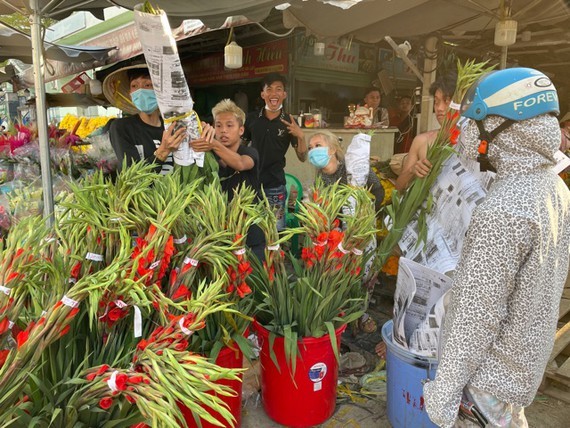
277, 109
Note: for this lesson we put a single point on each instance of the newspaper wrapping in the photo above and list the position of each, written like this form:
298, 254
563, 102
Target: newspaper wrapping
172, 92
357, 160
419, 307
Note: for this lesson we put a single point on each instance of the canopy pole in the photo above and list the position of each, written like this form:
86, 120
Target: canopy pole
504, 54
430, 66
41, 114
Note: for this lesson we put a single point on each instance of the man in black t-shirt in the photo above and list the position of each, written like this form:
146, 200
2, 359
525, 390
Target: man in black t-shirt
271, 131
142, 135
238, 163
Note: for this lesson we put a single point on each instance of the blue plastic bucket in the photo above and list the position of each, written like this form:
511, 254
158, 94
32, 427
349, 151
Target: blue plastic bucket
404, 375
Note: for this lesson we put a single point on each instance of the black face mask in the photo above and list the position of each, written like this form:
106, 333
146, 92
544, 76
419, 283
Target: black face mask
486, 138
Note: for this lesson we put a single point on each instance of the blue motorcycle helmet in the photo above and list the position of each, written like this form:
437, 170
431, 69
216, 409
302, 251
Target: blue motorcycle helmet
516, 94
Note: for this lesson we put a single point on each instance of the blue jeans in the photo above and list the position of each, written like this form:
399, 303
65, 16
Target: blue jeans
277, 197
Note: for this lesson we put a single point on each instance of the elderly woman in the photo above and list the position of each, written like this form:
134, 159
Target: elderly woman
326, 153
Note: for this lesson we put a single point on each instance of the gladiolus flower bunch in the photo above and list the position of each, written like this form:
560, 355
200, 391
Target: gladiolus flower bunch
110, 285
324, 289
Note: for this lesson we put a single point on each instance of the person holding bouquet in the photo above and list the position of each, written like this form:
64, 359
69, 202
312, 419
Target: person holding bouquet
238, 163
140, 136
415, 163
499, 328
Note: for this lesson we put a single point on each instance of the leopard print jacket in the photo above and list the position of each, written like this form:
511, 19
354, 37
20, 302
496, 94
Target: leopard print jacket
501, 321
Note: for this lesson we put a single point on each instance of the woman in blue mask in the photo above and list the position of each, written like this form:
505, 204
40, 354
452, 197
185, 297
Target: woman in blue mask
326, 153
140, 135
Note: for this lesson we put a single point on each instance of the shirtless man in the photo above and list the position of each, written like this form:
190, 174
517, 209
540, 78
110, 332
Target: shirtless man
416, 164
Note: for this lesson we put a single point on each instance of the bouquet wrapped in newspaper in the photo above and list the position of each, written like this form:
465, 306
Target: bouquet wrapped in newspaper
172, 92
404, 207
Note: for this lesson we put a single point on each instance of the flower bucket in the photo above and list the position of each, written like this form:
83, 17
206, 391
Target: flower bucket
229, 359
309, 397
405, 373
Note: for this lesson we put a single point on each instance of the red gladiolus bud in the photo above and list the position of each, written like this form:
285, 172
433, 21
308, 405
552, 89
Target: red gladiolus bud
121, 381
64, 331
75, 270
130, 399
12, 276
102, 369
181, 293
22, 338
243, 290
72, 313
91, 376
3, 355
181, 346
116, 314
173, 276
4, 325
142, 345
135, 379
105, 403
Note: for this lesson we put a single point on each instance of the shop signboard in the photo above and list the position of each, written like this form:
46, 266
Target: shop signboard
257, 61
351, 58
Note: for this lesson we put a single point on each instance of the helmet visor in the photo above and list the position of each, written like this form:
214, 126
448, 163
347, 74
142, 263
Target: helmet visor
470, 95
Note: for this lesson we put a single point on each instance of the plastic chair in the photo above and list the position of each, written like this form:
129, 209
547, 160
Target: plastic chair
293, 186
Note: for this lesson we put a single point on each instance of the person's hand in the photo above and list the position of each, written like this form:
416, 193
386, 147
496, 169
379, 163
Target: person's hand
422, 168
171, 138
380, 350
206, 141
170, 142
293, 128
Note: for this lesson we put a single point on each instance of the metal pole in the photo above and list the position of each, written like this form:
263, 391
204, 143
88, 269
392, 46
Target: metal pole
504, 50
430, 65
38, 63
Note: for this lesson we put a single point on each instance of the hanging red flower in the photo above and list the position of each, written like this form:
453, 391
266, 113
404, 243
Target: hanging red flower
105, 403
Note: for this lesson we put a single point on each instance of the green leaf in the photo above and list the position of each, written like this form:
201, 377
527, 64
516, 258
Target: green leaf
330, 328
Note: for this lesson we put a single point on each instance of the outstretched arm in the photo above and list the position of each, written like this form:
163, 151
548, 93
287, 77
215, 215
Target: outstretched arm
234, 160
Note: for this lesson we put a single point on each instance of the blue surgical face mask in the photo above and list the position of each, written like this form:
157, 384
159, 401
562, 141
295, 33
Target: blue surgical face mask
145, 100
319, 156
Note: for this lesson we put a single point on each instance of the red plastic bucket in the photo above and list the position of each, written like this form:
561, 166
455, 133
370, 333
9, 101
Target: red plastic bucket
309, 400
229, 359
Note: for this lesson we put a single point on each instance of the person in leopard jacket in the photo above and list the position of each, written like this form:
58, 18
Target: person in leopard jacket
500, 324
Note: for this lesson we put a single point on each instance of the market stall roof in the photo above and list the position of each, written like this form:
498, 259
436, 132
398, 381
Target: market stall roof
370, 21
211, 13
72, 100
15, 44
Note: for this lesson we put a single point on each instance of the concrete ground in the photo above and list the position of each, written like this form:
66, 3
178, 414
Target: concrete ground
360, 411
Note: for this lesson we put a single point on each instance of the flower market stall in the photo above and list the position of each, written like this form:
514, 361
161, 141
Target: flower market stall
136, 288
78, 146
